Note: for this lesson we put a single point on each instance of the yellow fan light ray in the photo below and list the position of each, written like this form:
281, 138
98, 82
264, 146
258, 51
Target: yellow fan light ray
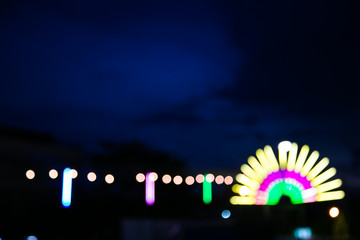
309, 163
323, 177
271, 157
302, 157
265, 179
329, 186
235, 200
257, 167
327, 196
292, 157
317, 169
236, 188
282, 159
251, 173
241, 178
263, 160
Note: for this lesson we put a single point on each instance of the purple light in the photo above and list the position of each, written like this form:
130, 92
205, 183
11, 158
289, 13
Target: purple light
302, 180
269, 179
149, 190
281, 175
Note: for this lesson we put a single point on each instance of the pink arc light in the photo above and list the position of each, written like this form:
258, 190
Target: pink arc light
280, 175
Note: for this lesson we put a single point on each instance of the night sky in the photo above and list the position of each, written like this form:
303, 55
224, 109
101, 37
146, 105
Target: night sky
207, 81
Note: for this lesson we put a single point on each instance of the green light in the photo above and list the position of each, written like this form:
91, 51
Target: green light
287, 189
275, 193
294, 193
207, 191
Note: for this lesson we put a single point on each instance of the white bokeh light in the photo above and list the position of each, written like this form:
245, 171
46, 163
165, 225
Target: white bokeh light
284, 146
53, 174
30, 174
140, 177
109, 179
74, 173
91, 176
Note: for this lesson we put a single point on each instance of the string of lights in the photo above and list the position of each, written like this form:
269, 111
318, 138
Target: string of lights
263, 181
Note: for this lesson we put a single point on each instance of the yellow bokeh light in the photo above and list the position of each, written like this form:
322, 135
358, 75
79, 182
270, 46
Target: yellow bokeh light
166, 179
30, 174
263, 160
199, 178
257, 166
236, 188
269, 153
301, 158
284, 147
282, 160
309, 163
91, 176
237, 200
292, 157
328, 196
109, 178
334, 212
189, 180
219, 179
329, 185
53, 174
323, 177
250, 173
317, 169
242, 178
177, 180
140, 177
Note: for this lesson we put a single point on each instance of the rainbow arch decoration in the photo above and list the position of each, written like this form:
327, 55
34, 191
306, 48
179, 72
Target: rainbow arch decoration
299, 176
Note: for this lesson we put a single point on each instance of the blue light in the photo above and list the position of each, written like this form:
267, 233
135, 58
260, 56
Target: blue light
303, 233
225, 214
66, 188
31, 238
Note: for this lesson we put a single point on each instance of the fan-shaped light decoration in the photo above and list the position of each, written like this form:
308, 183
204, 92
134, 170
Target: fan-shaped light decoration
264, 180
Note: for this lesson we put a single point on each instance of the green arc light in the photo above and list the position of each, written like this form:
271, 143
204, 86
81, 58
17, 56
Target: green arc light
287, 189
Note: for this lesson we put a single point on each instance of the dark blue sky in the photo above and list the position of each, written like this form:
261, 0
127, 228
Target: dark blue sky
208, 81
